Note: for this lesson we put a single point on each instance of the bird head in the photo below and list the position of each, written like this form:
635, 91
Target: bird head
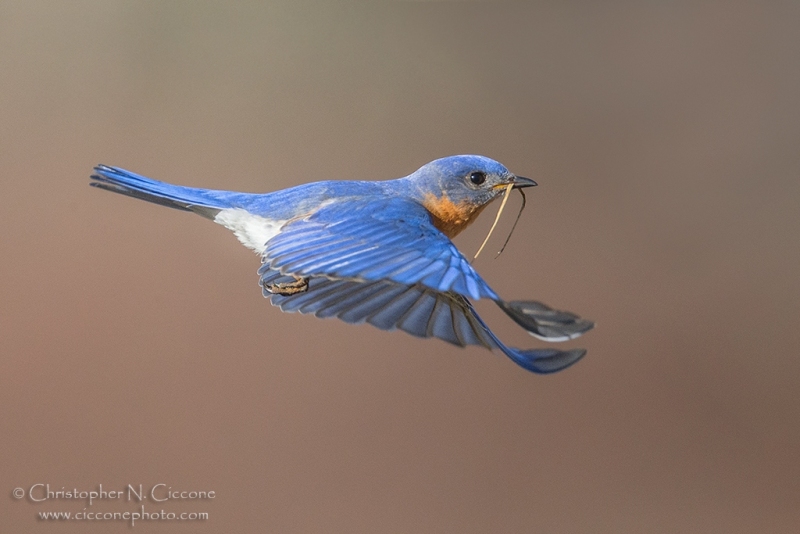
455, 189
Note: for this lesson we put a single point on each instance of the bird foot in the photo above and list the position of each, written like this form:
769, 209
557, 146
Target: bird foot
299, 285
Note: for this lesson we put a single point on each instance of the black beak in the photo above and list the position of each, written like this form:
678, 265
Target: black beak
520, 182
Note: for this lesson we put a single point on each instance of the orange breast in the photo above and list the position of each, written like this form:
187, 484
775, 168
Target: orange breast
448, 217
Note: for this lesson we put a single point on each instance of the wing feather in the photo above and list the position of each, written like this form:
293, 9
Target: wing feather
371, 240
415, 309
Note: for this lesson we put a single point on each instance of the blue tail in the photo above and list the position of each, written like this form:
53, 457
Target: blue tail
206, 202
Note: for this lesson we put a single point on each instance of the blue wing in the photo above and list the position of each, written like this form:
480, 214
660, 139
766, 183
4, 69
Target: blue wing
416, 309
370, 240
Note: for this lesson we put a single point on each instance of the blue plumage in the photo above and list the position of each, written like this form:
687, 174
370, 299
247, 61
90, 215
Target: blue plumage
417, 310
375, 252
387, 238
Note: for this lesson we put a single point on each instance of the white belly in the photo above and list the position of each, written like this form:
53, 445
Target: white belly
253, 231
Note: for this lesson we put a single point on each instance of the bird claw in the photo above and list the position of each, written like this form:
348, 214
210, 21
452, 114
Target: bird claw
300, 285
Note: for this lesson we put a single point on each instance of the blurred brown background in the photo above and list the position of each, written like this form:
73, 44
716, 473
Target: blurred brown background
137, 349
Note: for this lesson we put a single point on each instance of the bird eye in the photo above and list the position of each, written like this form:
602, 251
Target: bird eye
477, 177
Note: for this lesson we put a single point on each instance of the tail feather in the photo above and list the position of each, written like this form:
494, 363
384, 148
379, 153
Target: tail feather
202, 201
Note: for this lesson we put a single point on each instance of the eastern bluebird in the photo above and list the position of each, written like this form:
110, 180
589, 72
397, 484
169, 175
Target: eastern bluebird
375, 252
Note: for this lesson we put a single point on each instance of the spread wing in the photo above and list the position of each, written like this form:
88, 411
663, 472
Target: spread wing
370, 240
416, 309
381, 261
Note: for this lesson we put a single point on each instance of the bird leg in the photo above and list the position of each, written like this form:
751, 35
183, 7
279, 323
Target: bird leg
299, 285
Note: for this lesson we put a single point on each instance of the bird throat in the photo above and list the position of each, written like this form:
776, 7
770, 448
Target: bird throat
448, 217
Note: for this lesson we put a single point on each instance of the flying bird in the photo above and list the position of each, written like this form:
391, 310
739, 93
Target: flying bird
378, 252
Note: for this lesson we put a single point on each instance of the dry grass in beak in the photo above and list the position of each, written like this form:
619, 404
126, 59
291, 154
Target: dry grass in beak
507, 194
513, 226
